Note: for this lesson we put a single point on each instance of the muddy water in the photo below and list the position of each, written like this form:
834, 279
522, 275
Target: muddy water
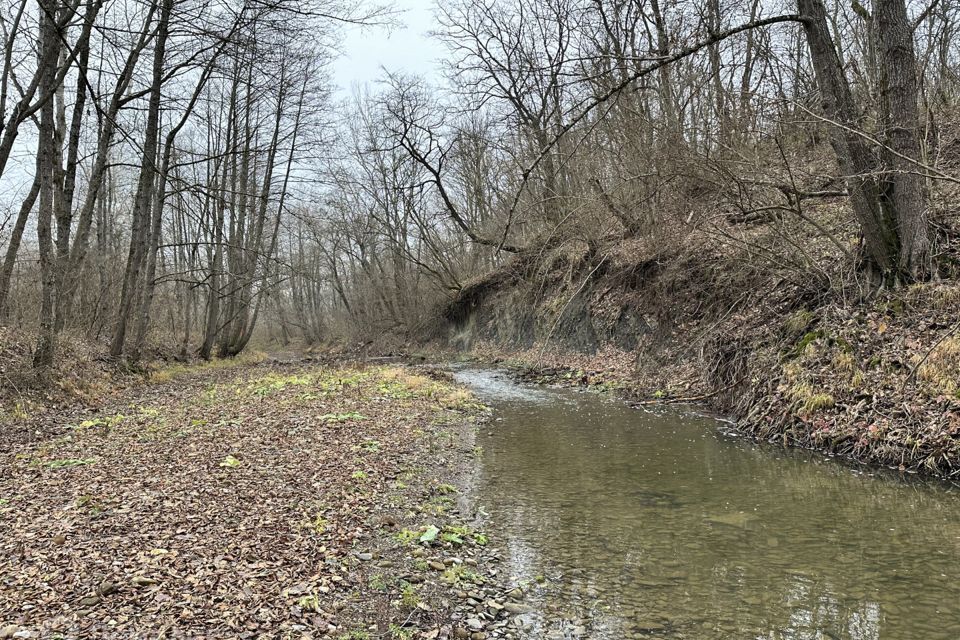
632, 524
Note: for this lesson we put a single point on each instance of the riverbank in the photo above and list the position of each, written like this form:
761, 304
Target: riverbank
873, 377
658, 523
292, 500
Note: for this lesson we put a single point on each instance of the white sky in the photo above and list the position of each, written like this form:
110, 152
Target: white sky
366, 52
407, 48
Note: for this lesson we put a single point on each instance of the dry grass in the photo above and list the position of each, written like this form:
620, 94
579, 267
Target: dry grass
809, 400
798, 322
415, 384
458, 399
934, 295
845, 362
170, 372
941, 369
81, 373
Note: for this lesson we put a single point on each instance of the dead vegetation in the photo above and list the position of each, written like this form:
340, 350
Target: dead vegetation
815, 362
237, 502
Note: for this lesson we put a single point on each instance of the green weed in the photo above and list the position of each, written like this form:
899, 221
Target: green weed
409, 597
230, 462
70, 462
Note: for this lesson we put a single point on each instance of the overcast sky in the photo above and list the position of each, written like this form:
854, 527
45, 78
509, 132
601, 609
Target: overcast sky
408, 48
365, 52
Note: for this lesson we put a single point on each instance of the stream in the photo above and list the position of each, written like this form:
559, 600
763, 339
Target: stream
625, 523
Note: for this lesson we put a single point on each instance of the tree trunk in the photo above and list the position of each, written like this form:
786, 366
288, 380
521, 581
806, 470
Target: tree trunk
667, 101
140, 226
50, 44
900, 119
64, 211
100, 173
878, 226
16, 237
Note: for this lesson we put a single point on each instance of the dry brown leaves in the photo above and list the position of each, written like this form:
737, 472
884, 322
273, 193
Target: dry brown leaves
233, 504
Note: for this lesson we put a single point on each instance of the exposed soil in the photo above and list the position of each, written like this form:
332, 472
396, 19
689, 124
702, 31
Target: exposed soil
266, 501
870, 376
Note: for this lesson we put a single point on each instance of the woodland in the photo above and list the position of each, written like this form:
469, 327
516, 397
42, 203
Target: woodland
213, 261
178, 178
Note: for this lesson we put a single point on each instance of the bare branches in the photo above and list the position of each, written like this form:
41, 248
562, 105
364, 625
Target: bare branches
412, 132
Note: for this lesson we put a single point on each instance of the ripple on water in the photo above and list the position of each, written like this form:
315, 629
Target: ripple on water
654, 524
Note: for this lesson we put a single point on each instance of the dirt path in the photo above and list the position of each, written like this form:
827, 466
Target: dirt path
273, 501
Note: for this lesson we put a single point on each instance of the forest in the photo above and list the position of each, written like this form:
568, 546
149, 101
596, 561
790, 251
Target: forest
176, 175
206, 244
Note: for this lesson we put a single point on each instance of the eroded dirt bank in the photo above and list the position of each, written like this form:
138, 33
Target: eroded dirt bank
265, 501
831, 365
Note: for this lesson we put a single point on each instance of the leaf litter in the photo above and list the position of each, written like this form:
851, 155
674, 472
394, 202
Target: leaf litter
258, 502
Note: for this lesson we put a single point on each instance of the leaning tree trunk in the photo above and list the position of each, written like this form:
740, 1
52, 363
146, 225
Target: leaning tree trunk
901, 120
877, 223
16, 237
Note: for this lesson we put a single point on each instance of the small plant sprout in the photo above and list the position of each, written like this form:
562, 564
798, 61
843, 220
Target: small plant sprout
370, 445
400, 633
70, 462
406, 536
230, 462
320, 524
378, 582
430, 534
409, 597
310, 603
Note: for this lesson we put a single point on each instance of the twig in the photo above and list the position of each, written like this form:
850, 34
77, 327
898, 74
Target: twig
644, 403
913, 371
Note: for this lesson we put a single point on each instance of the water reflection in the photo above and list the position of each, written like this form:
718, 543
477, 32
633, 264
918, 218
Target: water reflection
655, 524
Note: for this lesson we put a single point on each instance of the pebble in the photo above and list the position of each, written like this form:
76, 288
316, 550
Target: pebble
8, 631
106, 588
474, 623
516, 608
143, 581
364, 557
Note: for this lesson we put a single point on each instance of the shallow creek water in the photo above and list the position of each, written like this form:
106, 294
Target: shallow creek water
635, 524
